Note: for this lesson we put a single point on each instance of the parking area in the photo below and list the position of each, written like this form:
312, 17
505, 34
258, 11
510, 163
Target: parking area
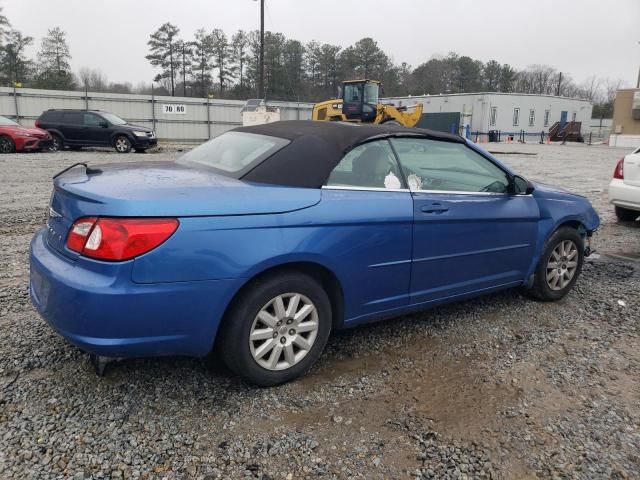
496, 387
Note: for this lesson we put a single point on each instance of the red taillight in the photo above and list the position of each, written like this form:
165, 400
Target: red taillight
619, 171
119, 238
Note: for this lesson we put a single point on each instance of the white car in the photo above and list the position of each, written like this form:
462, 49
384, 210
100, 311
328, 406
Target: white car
624, 189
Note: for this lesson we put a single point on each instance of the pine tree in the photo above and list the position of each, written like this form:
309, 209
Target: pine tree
202, 60
15, 67
53, 61
163, 44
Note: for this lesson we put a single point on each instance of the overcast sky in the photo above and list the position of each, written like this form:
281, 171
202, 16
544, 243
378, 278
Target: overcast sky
579, 37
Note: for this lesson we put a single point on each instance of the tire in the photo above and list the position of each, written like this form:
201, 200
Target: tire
57, 144
122, 144
553, 283
282, 354
393, 123
626, 215
7, 145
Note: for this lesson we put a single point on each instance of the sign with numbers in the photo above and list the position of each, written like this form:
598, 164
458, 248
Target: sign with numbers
173, 109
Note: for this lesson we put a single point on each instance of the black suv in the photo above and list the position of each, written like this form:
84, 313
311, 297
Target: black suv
93, 128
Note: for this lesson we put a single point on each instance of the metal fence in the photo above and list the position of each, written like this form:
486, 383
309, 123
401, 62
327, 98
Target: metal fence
175, 119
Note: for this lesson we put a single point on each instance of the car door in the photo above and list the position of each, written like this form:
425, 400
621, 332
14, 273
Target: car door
72, 127
96, 129
469, 233
367, 213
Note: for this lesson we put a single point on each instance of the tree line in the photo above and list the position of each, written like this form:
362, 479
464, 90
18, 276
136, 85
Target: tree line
213, 64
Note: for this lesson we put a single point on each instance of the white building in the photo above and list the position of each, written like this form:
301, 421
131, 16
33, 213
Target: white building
507, 112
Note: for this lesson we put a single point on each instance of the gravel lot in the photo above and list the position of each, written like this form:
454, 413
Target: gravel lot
497, 387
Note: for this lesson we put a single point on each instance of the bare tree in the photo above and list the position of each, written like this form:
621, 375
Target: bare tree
93, 79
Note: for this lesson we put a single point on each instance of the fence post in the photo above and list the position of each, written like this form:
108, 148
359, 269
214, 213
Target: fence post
15, 102
153, 111
590, 133
86, 98
208, 119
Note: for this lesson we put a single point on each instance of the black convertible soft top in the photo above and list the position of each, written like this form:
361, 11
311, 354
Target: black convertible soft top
315, 148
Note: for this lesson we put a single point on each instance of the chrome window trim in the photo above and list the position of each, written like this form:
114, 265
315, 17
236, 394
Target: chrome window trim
374, 189
360, 189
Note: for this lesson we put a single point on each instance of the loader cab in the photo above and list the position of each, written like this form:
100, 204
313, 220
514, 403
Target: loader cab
360, 100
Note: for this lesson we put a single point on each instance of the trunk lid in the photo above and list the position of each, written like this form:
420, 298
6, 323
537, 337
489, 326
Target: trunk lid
161, 189
632, 169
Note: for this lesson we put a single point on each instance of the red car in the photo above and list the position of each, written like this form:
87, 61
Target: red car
16, 138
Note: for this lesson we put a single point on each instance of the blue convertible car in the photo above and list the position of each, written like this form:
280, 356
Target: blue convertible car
264, 239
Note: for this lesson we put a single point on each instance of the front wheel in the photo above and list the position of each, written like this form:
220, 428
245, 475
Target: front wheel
122, 144
7, 145
559, 266
626, 215
56, 143
276, 329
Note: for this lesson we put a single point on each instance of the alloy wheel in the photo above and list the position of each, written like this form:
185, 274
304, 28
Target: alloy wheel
122, 145
55, 144
562, 265
5, 145
283, 331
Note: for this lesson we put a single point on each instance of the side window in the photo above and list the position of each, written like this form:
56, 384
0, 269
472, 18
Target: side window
493, 116
371, 165
446, 166
92, 120
72, 118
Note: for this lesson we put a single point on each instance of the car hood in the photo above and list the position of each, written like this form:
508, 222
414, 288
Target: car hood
37, 132
129, 127
552, 190
169, 189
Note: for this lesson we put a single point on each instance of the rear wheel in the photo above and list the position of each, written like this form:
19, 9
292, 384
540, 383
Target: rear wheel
276, 329
122, 144
7, 145
626, 215
559, 266
394, 123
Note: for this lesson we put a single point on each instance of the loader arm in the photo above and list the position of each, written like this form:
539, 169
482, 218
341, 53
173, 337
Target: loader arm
407, 119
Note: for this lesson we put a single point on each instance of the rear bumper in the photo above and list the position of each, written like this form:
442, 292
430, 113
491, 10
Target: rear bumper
624, 195
97, 307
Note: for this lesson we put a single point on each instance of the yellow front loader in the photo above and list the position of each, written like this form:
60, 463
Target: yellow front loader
360, 103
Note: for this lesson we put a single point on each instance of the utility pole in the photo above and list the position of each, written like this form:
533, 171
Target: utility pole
559, 83
261, 83
184, 73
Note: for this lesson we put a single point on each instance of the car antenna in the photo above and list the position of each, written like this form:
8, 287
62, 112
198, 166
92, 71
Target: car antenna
87, 169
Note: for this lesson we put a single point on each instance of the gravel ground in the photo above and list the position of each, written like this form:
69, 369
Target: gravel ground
496, 387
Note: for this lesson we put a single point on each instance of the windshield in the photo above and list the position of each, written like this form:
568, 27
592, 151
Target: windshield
6, 121
234, 152
113, 119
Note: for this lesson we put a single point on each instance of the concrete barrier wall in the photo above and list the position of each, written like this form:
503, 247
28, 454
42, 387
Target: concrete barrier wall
201, 120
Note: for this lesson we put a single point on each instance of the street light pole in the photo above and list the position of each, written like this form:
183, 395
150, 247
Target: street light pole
261, 82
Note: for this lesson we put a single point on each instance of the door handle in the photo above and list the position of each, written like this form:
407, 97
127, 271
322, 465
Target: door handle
435, 208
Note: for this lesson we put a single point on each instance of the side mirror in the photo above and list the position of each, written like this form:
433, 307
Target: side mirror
104, 124
521, 186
